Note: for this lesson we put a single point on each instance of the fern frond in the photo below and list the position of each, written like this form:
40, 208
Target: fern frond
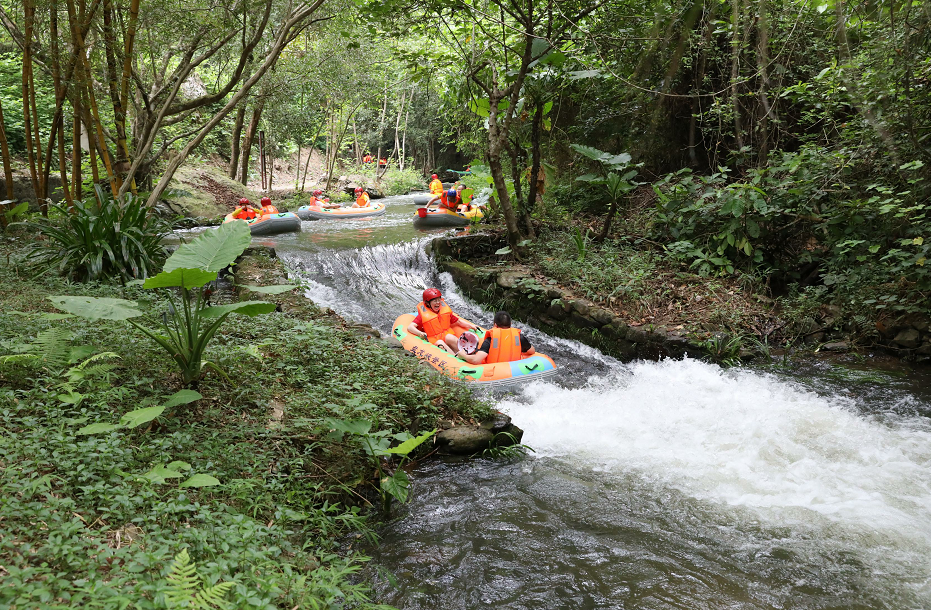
185, 590
183, 580
19, 359
211, 598
97, 357
98, 369
53, 346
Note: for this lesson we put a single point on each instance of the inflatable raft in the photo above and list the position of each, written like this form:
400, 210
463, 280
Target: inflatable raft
497, 374
315, 212
270, 224
442, 217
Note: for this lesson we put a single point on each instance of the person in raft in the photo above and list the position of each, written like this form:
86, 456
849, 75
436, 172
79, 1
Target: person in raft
362, 198
267, 207
246, 211
435, 319
501, 344
436, 187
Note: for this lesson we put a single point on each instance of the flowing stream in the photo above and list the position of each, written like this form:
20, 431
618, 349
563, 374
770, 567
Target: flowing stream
673, 484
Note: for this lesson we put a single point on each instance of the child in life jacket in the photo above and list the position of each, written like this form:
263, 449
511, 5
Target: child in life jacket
245, 211
435, 321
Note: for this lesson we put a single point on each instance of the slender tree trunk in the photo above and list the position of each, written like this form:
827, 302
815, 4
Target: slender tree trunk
612, 212
234, 145
736, 46
355, 143
381, 129
339, 142
762, 56
7, 168
297, 175
250, 137
313, 143
407, 115
62, 167
33, 149
76, 186
262, 159
495, 145
536, 133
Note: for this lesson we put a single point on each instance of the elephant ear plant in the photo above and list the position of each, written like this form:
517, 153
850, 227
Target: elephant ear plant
185, 329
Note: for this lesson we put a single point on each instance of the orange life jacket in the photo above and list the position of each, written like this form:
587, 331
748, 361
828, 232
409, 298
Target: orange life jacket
362, 200
244, 213
505, 345
436, 187
436, 325
269, 209
447, 203
367, 159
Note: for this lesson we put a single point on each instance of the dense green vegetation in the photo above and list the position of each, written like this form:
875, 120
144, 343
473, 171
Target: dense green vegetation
97, 520
746, 166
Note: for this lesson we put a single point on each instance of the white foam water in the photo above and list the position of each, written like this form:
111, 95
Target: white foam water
751, 444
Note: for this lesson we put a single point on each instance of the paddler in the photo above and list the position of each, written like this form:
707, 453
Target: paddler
436, 187
267, 207
501, 344
362, 198
245, 211
434, 321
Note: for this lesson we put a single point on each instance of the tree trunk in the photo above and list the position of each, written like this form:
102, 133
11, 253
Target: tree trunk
407, 115
262, 158
250, 137
234, 145
76, 186
313, 142
536, 132
736, 46
355, 143
7, 168
381, 129
495, 144
612, 211
762, 58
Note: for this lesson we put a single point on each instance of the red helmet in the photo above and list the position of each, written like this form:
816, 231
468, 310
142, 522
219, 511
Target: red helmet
431, 293
358, 189
266, 201
243, 201
318, 192
434, 177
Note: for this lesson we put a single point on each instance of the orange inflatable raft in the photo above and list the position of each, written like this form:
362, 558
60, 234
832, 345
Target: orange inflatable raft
497, 374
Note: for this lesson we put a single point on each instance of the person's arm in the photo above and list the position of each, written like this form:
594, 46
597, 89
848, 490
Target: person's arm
412, 328
476, 358
463, 324
525, 347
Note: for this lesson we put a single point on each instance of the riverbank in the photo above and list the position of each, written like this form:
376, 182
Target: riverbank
247, 480
631, 303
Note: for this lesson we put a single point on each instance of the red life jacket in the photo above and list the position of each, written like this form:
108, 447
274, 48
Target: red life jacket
505, 345
269, 209
244, 213
436, 325
362, 200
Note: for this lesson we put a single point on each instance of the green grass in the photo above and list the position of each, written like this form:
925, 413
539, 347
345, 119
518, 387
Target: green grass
82, 529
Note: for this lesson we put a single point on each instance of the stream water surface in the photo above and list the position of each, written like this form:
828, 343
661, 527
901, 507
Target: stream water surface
673, 484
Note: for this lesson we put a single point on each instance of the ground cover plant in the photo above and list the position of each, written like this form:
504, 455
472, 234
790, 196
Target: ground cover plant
112, 518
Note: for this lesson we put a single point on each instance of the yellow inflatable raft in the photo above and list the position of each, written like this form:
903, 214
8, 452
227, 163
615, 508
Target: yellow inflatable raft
497, 374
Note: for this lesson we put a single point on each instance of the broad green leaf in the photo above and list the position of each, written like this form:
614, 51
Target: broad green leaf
184, 278
182, 397
248, 308
179, 466
20, 209
56, 316
594, 178
412, 443
140, 416
201, 480
397, 486
352, 426
580, 74
97, 429
97, 308
592, 153
159, 474
276, 289
618, 160
918, 241
480, 107
212, 250
504, 250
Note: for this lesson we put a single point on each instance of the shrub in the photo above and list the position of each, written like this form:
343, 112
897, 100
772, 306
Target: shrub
101, 238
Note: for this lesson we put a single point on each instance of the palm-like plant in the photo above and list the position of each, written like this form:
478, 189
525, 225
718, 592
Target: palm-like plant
102, 237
